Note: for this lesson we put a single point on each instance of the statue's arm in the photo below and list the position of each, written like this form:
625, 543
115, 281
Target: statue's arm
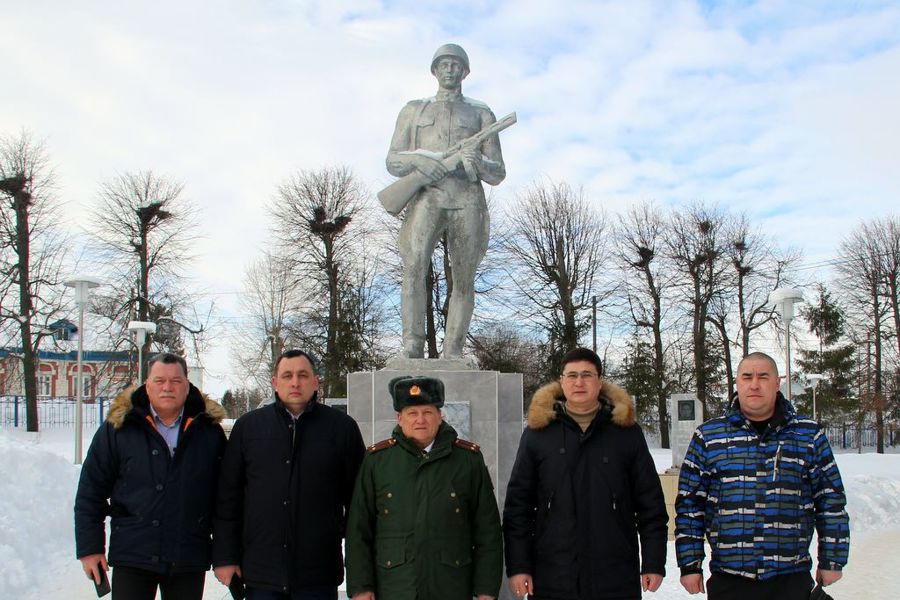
491, 169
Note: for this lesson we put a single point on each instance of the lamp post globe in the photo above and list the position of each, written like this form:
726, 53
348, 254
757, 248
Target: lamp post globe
141, 329
813, 380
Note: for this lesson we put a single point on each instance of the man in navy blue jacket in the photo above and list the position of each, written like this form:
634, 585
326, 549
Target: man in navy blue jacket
755, 482
284, 492
152, 467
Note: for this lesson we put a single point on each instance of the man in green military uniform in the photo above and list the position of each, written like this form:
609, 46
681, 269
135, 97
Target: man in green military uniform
423, 522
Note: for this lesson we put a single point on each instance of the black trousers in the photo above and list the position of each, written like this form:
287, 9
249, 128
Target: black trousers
795, 586
129, 583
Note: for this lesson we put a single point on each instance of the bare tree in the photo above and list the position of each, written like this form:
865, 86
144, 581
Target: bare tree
269, 301
312, 222
502, 347
862, 280
755, 268
888, 240
696, 243
31, 255
557, 244
647, 275
144, 228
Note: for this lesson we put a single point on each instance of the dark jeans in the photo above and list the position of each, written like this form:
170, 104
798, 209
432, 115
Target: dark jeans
795, 586
137, 584
319, 593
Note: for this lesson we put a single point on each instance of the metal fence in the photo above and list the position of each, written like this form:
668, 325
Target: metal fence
848, 435
840, 435
53, 412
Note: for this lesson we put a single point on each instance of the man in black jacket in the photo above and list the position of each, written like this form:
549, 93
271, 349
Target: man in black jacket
285, 489
152, 466
583, 489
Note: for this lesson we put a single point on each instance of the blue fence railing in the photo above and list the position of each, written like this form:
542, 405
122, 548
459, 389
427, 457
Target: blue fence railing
56, 411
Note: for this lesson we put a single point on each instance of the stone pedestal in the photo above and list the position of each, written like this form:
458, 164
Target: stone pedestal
483, 406
669, 481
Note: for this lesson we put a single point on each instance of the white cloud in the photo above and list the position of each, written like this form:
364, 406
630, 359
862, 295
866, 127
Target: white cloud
785, 110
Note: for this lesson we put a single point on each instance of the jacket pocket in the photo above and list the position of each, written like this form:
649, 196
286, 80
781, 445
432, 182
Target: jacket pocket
425, 121
456, 558
466, 122
390, 552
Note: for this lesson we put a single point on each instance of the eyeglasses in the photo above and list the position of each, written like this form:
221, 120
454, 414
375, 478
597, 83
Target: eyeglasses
573, 376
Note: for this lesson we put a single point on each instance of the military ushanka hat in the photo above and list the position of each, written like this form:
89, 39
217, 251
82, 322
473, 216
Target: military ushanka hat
415, 391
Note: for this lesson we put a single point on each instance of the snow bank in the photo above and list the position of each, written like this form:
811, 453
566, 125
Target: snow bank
37, 548
37, 488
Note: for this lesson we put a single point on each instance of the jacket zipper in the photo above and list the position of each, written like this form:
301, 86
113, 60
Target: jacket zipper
777, 456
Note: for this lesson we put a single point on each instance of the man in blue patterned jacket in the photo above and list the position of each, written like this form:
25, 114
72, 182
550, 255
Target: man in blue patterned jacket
755, 482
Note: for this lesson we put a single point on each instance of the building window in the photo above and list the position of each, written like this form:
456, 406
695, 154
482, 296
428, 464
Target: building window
45, 385
85, 386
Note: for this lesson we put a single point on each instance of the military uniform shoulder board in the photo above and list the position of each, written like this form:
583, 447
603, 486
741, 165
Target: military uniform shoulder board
381, 445
466, 445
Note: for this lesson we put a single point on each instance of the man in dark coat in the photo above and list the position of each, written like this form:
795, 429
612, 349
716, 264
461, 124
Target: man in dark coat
153, 467
424, 522
583, 489
285, 488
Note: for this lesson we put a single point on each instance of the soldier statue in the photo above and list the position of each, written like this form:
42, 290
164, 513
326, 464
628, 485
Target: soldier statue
443, 148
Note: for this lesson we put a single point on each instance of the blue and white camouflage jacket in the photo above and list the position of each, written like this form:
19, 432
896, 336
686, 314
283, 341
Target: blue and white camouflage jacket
757, 497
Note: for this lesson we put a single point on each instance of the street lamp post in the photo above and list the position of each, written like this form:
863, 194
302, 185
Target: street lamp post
82, 285
141, 329
783, 300
814, 379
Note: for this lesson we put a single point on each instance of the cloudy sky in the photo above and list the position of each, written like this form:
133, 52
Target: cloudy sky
786, 110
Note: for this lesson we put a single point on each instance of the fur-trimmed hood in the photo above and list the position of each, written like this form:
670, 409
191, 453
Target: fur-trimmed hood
135, 397
542, 410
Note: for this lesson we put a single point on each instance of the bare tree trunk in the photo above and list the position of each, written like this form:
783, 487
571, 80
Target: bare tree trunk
878, 394
430, 327
144, 304
661, 399
26, 308
31, 253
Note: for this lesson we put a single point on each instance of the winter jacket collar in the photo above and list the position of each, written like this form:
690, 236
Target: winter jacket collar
133, 402
784, 413
312, 405
615, 403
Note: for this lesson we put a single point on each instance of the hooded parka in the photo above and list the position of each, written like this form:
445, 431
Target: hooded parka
161, 505
577, 502
424, 525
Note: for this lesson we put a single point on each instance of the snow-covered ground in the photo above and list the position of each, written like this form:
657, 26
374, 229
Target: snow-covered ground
37, 554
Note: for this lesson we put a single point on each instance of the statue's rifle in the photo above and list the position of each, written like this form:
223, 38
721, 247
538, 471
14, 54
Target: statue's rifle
396, 196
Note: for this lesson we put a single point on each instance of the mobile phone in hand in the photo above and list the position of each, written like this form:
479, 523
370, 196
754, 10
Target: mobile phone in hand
236, 587
102, 587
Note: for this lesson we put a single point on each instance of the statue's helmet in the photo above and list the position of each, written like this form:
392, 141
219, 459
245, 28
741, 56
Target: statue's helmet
450, 50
